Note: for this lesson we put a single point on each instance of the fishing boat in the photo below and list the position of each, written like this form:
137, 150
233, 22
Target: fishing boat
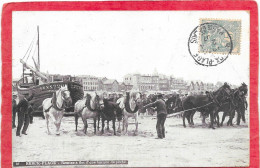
41, 84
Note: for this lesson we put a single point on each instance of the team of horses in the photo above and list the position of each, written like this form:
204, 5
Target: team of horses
96, 106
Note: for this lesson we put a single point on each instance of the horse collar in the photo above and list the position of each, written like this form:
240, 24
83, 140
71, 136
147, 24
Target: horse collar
54, 103
88, 104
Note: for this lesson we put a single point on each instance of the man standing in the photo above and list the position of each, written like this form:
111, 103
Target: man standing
23, 115
14, 110
160, 105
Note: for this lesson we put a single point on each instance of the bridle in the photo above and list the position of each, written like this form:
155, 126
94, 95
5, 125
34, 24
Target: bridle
63, 94
54, 104
95, 101
225, 94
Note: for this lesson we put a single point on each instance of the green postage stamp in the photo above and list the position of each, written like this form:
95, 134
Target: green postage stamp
233, 27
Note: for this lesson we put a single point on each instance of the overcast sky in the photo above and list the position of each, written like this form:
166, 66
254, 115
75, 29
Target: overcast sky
113, 44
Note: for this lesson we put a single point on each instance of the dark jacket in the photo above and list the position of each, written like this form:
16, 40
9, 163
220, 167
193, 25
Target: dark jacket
23, 105
160, 106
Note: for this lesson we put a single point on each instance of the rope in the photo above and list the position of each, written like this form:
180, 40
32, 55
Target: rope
29, 47
29, 53
174, 114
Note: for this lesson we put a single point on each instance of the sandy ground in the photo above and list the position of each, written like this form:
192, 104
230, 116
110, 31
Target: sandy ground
182, 147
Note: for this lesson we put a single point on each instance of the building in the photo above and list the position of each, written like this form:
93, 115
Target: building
123, 87
209, 87
111, 85
89, 83
164, 84
177, 84
199, 87
142, 82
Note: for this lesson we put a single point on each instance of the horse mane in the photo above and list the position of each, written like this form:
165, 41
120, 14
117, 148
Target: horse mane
127, 104
54, 101
87, 103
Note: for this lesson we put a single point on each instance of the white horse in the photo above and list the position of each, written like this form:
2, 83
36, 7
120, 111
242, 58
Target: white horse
87, 108
54, 107
130, 106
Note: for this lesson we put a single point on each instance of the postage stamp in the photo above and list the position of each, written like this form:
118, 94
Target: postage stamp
233, 27
210, 44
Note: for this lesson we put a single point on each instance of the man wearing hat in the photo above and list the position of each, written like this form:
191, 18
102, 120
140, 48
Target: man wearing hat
160, 105
23, 115
14, 110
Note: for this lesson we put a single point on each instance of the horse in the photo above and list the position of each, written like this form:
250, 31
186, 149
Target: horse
174, 105
110, 112
227, 108
238, 104
130, 106
211, 102
171, 104
55, 107
111, 99
87, 108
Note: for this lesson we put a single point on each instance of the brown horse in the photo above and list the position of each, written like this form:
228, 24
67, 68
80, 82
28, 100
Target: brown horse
110, 112
212, 102
238, 104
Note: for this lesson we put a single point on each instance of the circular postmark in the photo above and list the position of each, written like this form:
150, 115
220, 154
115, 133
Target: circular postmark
210, 44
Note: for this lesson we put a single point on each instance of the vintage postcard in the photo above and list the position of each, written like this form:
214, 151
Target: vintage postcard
130, 84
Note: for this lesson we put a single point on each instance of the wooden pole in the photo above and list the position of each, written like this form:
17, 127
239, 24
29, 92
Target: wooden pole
38, 41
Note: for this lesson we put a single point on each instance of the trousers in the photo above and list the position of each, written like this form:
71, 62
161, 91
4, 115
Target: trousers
160, 125
13, 119
23, 121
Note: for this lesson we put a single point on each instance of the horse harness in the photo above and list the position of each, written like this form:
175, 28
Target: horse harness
54, 103
212, 97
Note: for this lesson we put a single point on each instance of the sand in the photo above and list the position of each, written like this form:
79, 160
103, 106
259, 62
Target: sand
182, 147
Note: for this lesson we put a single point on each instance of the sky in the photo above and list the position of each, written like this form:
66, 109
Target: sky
116, 43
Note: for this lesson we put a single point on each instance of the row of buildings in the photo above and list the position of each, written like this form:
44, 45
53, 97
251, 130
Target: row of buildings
159, 82
141, 82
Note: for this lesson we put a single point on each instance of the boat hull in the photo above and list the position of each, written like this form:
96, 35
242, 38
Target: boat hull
41, 92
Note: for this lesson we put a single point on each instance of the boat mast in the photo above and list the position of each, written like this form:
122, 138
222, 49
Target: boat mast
38, 48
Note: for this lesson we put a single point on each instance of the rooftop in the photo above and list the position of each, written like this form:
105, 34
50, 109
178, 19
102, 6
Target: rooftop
109, 81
